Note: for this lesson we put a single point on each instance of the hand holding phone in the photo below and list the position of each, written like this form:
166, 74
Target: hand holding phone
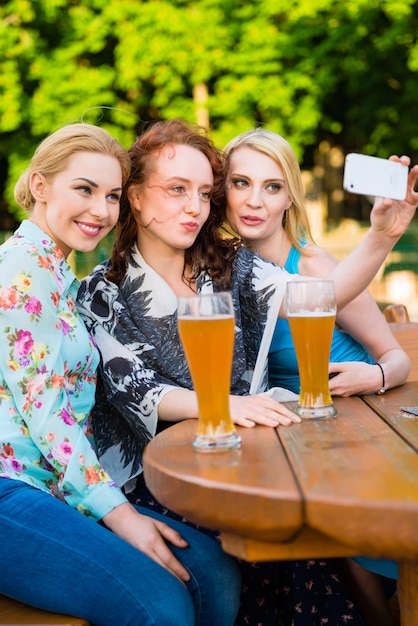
372, 176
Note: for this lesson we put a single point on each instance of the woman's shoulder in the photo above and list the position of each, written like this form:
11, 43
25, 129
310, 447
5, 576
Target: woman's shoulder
31, 253
25, 240
254, 273
248, 258
316, 261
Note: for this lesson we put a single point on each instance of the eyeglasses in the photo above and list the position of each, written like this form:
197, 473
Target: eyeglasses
182, 191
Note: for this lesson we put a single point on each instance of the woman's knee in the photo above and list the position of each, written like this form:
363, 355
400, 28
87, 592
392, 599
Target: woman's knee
216, 580
215, 583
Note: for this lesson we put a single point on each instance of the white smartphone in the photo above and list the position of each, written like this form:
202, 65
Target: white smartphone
372, 176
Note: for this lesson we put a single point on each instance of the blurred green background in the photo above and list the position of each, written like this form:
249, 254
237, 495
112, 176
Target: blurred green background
332, 77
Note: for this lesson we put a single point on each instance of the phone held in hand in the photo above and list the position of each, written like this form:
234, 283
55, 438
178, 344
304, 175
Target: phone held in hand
372, 176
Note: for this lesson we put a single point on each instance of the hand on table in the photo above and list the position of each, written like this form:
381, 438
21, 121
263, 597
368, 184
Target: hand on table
354, 378
260, 408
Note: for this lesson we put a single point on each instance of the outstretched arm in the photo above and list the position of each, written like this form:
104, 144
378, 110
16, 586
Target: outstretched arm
389, 220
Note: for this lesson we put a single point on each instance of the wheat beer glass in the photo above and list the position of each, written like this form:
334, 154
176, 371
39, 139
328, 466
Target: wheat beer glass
206, 327
311, 311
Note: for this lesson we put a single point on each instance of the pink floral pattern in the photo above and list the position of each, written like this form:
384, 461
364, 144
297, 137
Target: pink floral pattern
47, 377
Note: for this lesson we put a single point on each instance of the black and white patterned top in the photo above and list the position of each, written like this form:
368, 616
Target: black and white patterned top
135, 327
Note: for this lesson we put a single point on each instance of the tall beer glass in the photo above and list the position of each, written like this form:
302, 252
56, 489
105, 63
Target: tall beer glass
311, 311
206, 328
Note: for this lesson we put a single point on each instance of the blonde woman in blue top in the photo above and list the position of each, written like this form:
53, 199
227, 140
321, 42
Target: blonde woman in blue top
71, 540
265, 207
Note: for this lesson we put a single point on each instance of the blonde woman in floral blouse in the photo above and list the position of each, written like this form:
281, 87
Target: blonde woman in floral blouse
58, 506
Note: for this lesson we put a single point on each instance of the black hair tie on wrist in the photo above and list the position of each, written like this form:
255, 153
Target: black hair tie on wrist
382, 389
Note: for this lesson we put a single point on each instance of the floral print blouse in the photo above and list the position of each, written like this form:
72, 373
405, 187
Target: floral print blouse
47, 377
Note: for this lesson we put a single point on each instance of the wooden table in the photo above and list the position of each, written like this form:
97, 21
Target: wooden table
325, 488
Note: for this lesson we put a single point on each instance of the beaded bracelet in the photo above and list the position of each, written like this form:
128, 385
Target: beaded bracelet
382, 389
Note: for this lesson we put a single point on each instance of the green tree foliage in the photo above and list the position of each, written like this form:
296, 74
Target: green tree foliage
308, 69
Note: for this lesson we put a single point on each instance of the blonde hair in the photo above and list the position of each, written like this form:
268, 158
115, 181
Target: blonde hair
51, 156
295, 219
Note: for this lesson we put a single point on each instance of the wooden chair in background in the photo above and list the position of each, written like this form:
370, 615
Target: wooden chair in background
396, 313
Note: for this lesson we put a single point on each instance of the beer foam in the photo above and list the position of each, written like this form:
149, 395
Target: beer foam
206, 318
304, 313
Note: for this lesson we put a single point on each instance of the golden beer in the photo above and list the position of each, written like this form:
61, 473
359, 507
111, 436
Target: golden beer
206, 327
208, 344
312, 337
311, 311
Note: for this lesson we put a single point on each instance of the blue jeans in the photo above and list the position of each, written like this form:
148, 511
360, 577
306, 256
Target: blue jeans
56, 559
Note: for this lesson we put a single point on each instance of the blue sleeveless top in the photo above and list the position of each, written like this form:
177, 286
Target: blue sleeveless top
283, 367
